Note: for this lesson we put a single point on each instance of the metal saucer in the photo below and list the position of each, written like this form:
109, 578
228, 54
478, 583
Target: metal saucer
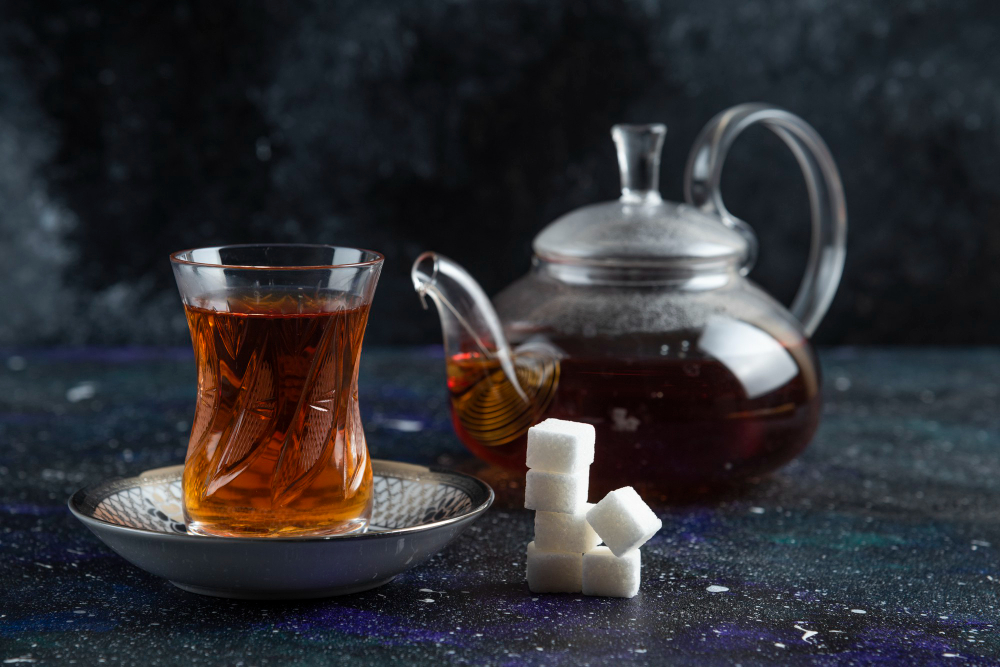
417, 512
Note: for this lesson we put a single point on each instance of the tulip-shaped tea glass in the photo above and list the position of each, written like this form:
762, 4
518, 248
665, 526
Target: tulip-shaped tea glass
277, 447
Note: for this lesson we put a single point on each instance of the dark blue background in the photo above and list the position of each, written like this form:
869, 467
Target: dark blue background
128, 130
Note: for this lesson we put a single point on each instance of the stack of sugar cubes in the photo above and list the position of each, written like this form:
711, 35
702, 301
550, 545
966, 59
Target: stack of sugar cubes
565, 556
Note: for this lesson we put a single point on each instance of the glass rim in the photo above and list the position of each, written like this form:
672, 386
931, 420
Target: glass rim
175, 257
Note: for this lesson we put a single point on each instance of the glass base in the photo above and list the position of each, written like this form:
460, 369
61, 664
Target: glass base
359, 525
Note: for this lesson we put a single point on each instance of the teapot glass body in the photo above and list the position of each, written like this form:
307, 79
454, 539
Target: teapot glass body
694, 381
637, 317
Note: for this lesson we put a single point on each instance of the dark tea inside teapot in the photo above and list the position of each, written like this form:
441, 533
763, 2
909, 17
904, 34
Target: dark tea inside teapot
636, 317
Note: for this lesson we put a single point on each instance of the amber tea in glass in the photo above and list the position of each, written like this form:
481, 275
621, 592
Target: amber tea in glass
753, 412
277, 447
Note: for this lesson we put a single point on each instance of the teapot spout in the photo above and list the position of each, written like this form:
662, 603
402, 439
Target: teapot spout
470, 325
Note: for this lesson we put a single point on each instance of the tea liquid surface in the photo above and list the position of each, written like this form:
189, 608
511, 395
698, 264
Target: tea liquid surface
663, 424
277, 446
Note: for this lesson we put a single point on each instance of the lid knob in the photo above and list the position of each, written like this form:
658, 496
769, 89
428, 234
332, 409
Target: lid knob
639, 149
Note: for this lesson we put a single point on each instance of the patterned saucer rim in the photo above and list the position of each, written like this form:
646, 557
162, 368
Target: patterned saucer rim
84, 502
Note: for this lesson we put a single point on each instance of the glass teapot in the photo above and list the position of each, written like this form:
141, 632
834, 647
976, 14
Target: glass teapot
637, 317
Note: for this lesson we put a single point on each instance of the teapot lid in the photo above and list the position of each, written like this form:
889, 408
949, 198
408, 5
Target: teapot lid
640, 228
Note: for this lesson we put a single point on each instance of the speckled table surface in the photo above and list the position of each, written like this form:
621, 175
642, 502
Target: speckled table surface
879, 545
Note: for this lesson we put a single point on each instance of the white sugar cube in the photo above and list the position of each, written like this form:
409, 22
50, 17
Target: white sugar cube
552, 492
554, 571
555, 531
608, 575
623, 520
560, 446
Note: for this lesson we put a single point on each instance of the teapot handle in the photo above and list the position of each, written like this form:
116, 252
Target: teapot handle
826, 197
